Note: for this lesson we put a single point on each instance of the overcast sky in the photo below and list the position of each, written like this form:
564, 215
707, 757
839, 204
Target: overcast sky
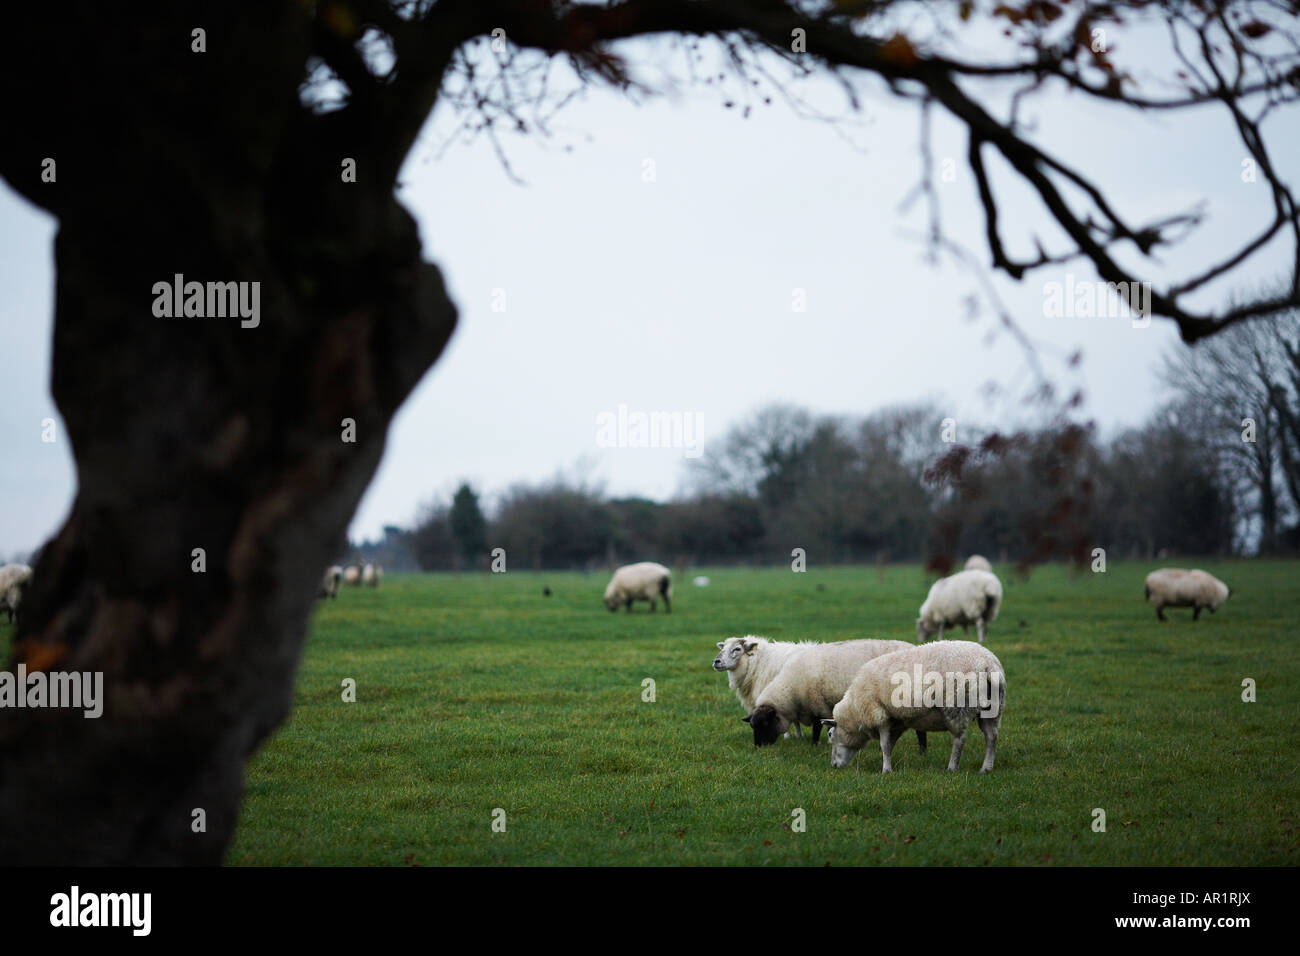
676, 295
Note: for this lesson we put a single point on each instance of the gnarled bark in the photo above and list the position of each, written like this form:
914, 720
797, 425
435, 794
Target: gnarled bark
196, 432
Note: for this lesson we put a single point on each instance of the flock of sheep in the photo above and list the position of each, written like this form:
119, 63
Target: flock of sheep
851, 687
354, 574
15, 579
879, 689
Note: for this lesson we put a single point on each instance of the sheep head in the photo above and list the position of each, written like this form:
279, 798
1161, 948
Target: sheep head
768, 725
732, 652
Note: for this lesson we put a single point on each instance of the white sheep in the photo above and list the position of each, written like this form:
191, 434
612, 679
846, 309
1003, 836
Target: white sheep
977, 562
965, 598
371, 575
1177, 587
352, 575
943, 685
14, 579
810, 684
329, 585
751, 663
646, 581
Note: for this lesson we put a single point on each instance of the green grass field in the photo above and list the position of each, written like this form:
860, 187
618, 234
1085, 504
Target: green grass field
475, 692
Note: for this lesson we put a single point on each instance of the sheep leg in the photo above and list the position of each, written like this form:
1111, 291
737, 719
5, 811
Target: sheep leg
1196, 613
940, 637
816, 731
1160, 612
629, 605
668, 605
887, 749
989, 727
652, 605
920, 739
958, 742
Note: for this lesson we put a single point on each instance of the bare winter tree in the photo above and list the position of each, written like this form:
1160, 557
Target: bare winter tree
1236, 397
1284, 399
214, 142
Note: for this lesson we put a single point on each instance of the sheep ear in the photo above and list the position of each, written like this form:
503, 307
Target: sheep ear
746, 718
721, 644
749, 646
828, 721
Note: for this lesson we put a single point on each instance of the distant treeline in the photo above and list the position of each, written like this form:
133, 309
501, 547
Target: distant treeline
1216, 471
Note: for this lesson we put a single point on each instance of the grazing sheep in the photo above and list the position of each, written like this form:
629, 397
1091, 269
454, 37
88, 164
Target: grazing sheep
965, 598
1177, 587
810, 684
329, 585
14, 579
977, 562
352, 575
943, 685
646, 581
752, 663
371, 575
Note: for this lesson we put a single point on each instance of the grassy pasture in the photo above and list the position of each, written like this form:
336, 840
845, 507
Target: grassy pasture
475, 692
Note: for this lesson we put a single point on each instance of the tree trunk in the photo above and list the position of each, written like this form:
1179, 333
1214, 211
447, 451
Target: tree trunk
1267, 514
195, 433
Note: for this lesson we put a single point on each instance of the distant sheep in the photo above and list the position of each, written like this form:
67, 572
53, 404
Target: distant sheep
329, 585
965, 598
14, 579
352, 575
371, 575
1177, 587
751, 663
968, 684
646, 581
810, 684
977, 562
